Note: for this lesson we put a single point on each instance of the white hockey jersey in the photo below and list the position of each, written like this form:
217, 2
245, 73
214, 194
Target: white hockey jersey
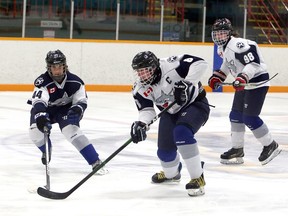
243, 56
173, 69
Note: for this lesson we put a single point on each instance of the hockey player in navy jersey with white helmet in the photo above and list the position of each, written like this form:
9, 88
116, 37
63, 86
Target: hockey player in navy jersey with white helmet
160, 82
243, 60
59, 97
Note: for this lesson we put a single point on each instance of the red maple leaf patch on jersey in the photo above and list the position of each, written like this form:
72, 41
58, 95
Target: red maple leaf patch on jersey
52, 90
148, 91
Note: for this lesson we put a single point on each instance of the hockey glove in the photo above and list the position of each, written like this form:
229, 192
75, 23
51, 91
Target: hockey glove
216, 79
42, 120
138, 131
240, 81
181, 91
74, 115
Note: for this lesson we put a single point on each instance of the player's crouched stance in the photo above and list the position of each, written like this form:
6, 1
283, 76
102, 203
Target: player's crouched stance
243, 60
160, 82
60, 97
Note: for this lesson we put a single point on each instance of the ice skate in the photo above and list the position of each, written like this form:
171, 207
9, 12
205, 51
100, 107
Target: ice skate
196, 186
269, 153
232, 156
101, 171
160, 177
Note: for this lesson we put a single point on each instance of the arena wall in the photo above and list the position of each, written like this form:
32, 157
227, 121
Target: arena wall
106, 65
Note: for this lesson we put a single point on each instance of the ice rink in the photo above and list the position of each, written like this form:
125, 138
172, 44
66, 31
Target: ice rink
248, 189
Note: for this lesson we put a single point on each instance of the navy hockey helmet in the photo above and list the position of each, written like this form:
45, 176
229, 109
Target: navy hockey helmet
221, 31
146, 65
56, 58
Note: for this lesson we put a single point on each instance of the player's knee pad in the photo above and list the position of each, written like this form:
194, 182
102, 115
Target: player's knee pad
36, 135
236, 116
252, 122
71, 132
183, 135
75, 136
166, 155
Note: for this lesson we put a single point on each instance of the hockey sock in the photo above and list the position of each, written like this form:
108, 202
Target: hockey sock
90, 154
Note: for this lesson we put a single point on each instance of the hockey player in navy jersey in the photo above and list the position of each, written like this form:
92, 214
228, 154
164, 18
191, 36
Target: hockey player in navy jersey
60, 97
243, 60
160, 82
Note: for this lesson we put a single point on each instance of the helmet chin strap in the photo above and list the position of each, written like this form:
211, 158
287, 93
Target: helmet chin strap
157, 76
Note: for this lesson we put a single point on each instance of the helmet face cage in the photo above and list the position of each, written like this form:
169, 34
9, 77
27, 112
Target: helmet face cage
145, 75
220, 37
56, 58
221, 31
144, 65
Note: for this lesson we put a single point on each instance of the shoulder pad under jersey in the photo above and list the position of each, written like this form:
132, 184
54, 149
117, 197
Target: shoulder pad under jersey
170, 63
42, 80
136, 87
74, 77
238, 45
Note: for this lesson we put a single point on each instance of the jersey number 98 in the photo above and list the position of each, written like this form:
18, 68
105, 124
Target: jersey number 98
249, 57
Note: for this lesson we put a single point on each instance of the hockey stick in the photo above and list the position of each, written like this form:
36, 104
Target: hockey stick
56, 195
249, 84
47, 156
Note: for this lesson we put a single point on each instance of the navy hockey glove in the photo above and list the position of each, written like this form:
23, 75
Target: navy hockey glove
239, 81
42, 120
74, 114
138, 131
216, 79
181, 91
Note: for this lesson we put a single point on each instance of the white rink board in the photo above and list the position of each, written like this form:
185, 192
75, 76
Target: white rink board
110, 62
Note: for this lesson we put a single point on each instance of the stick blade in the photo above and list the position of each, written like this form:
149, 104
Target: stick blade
51, 194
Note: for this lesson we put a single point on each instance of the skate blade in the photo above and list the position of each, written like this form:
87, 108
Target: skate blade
272, 156
168, 181
232, 161
102, 171
196, 192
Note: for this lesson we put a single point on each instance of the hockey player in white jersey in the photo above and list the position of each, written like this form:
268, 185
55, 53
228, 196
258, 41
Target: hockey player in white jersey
60, 97
243, 60
160, 82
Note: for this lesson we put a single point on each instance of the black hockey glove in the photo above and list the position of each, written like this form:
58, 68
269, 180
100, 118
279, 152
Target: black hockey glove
42, 120
181, 91
138, 131
74, 115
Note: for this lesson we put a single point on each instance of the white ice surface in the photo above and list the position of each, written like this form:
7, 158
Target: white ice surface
249, 189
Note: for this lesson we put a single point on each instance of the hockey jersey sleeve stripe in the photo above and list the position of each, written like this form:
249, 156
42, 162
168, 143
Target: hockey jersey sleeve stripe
260, 78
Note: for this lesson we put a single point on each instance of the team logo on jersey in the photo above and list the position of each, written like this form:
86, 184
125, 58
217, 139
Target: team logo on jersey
171, 59
231, 65
165, 98
39, 81
52, 90
240, 45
